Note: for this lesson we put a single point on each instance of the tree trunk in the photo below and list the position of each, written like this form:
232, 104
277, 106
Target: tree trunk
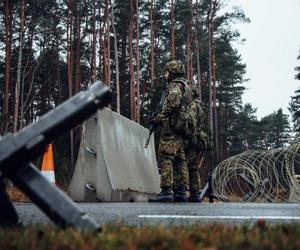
152, 44
198, 52
215, 111
70, 68
131, 71
22, 96
8, 35
124, 88
172, 17
19, 67
137, 83
29, 98
221, 132
78, 48
108, 44
26, 72
104, 59
93, 61
100, 66
105, 35
69, 47
58, 73
189, 44
212, 82
116, 61
210, 115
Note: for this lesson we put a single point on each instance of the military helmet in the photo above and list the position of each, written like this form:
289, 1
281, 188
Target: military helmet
175, 67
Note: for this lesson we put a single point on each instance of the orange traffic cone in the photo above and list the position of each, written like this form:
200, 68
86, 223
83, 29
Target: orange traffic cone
48, 164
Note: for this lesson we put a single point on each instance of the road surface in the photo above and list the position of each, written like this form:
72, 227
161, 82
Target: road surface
139, 213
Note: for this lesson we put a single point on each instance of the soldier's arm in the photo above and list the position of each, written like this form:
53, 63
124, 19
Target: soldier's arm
172, 102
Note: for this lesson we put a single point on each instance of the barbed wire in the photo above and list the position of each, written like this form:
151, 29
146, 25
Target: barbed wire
260, 175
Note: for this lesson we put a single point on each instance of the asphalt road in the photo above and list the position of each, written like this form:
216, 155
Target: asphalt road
140, 214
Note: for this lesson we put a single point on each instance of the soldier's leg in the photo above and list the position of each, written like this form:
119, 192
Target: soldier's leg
181, 178
166, 174
175, 177
166, 154
194, 176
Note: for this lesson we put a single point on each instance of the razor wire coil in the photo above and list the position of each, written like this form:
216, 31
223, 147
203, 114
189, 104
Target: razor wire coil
260, 175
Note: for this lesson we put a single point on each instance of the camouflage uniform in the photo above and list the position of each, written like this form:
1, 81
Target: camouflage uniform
194, 152
194, 144
171, 146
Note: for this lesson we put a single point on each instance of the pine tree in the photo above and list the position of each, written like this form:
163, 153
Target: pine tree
7, 16
69, 43
294, 105
242, 132
297, 69
276, 130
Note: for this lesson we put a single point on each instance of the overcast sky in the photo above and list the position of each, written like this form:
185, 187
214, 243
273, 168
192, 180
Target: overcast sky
270, 52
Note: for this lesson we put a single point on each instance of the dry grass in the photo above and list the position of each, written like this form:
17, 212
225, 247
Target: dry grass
154, 237
16, 195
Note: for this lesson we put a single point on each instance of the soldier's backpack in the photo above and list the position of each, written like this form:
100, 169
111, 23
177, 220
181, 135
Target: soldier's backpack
197, 137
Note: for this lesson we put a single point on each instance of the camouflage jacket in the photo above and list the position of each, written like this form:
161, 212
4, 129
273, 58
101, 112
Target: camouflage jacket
177, 98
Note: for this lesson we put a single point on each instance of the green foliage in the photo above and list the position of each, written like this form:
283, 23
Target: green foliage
272, 131
276, 129
243, 132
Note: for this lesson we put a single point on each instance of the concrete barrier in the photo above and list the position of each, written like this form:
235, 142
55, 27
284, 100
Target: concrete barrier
112, 163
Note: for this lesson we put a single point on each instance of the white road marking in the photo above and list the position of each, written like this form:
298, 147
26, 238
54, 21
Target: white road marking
219, 217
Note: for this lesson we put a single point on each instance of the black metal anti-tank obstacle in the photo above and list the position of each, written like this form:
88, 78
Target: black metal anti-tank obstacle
17, 151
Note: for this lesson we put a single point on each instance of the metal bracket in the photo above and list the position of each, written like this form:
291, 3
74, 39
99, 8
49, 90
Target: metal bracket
91, 151
90, 187
94, 117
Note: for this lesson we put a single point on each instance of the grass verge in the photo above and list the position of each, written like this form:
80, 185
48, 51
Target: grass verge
153, 237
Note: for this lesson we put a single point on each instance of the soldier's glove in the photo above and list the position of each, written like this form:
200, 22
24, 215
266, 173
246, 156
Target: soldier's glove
154, 122
159, 170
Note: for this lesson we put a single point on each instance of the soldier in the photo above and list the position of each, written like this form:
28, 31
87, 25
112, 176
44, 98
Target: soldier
195, 144
171, 147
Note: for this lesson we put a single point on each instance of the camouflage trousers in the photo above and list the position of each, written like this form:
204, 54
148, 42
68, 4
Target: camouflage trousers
171, 150
193, 158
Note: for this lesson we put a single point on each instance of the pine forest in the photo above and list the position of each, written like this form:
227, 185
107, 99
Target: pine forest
52, 49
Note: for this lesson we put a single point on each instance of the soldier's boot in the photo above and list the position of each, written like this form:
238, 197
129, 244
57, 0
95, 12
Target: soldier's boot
180, 195
165, 195
195, 197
